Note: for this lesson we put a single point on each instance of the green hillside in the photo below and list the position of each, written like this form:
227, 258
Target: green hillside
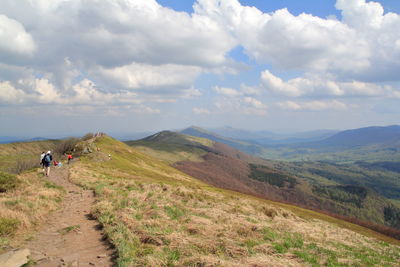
155, 215
172, 147
383, 177
313, 185
158, 216
369, 153
244, 146
23, 155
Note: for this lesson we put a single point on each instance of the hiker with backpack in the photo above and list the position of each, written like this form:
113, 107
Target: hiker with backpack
41, 159
69, 158
47, 159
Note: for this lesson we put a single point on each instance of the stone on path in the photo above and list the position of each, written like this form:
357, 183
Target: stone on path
15, 258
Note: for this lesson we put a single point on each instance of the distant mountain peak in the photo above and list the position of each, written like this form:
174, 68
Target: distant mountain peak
162, 135
365, 136
196, 128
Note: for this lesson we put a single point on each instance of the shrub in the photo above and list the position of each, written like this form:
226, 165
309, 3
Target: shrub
7, 182
65, 146
23, 164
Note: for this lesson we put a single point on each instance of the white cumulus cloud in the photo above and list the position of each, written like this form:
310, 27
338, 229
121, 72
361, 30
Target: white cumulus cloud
361, 46
14, 39
323, 86
118, 44
226, 91
312, 105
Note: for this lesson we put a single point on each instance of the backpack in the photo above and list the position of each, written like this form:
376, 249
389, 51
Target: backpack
47, 158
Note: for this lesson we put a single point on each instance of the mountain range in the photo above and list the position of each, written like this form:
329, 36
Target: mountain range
363, 144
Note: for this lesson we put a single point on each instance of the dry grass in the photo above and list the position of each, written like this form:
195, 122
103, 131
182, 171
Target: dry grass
21, 156
157, 216
26, 206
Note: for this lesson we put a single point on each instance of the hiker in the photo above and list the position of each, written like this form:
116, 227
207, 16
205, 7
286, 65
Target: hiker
69, 158
57, 163
41, 159
47, 162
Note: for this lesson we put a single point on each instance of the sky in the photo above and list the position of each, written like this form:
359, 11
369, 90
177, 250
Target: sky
121, 66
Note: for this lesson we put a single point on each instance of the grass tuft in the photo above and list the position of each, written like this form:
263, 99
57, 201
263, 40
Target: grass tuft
8, 182
174, 212
8, 226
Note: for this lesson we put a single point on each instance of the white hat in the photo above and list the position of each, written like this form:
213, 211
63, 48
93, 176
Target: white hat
49, 152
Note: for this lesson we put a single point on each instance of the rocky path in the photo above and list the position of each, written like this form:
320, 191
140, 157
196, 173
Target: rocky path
70, 237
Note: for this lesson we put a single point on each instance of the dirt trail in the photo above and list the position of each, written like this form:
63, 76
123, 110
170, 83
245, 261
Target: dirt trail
70, 237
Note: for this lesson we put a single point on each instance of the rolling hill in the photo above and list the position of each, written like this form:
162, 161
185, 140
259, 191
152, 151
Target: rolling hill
244, 146
369, 144
155, 215
273, 138
364, 144
363, 137
225, 167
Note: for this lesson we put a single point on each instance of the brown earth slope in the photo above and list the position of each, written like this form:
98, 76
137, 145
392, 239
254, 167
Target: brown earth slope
233, 174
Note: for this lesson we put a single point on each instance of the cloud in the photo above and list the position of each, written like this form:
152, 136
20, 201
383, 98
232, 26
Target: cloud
137, 52
254, 103
312, 105
14, 40
362, 46
251, 90
146, 110
115, 33
316, 86
239, 101
41, 91
144, 76
240, 105
135, 45
191, 93
200, 111
9, 94
230, 92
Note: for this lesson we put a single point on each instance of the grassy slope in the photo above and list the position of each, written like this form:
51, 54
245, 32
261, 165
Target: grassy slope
26, 151
368, 153
230, 174
244, 146
25, 206
25, 199
158, 216
172, 147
